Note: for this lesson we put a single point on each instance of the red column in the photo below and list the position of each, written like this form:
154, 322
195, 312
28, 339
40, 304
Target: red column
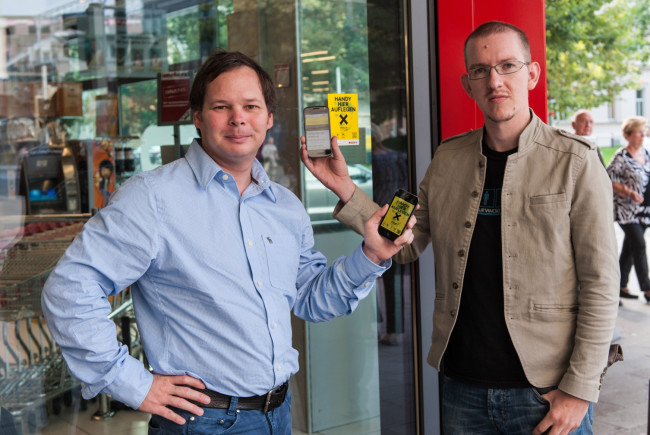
456, 20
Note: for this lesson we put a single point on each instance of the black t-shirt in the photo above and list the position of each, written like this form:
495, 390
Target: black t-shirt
480, 350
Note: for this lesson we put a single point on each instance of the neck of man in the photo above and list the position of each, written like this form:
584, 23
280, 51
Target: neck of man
240, 169
504, 135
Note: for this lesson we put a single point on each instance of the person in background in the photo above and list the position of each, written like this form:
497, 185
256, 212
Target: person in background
390, 172
629, 171
217, 257
583, 125
520, 218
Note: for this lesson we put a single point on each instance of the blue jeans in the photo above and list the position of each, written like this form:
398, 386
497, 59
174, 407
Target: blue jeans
468, 409
227, 421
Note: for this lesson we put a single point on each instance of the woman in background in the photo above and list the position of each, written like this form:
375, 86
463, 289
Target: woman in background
629, 171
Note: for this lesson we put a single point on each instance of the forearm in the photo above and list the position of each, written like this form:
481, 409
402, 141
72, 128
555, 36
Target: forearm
78, 321
598, 273
356, 211
328, 292
621, 189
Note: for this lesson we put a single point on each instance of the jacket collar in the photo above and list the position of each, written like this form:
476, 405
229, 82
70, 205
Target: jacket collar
526, 138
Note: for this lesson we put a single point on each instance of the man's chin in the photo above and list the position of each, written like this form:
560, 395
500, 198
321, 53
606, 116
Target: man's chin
500, 117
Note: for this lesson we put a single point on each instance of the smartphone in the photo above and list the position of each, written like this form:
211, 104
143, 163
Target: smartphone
317, 131
400, 210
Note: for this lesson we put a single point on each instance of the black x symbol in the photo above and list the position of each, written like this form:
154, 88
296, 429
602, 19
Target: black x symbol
343, 119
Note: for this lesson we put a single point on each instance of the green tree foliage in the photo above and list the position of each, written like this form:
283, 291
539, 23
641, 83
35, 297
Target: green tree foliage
594, 50
340, 29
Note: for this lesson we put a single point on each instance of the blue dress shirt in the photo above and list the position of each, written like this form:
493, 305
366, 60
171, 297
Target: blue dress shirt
214, 278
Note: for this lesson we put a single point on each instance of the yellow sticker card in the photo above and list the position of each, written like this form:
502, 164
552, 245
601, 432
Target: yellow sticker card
344, 117
397, 215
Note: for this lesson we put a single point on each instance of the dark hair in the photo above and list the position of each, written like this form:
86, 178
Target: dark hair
220, 62
492, 27
106, 164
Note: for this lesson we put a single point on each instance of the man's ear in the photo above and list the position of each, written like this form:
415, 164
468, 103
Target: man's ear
464, 81
534, 71
197, 118
269, 123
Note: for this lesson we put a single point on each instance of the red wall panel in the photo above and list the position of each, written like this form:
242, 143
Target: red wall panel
456, 20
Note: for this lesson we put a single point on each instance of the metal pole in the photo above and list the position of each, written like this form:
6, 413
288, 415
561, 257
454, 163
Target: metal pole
104, 412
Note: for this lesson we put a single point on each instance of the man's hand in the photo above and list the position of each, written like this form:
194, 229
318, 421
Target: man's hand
378, 248
174, 391
564, 416
331, 171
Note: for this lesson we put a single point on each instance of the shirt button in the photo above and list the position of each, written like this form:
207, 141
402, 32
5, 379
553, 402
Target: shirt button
259, 284
468, 224
461, 253
455, 285
250, 243
366, 284
225, 177
278, 367
475, 194
275, 325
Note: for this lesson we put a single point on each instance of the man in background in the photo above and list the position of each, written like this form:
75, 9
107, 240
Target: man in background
583, 125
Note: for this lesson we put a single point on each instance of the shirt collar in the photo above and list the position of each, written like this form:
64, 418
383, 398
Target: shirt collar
206, 170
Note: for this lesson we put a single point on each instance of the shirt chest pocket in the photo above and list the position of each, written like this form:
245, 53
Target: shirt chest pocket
558, 200
282, 258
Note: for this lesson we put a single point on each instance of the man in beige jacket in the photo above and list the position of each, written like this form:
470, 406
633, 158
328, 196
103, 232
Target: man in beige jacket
520, 218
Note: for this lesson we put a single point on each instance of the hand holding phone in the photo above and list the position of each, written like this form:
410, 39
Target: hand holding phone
397, 217
317, 131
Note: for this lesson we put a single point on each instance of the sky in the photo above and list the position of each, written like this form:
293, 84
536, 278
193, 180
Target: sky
29, 7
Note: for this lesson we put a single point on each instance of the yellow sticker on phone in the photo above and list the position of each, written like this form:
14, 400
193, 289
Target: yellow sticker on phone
397, 215
344, 117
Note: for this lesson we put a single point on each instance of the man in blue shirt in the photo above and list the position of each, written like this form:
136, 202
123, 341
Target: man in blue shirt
217, 256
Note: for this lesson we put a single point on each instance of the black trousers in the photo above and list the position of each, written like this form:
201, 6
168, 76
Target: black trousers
633, 252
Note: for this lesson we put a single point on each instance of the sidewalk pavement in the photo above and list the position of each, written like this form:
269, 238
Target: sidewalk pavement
623, 407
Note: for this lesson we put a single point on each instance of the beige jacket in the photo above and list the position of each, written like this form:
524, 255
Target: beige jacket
560, 267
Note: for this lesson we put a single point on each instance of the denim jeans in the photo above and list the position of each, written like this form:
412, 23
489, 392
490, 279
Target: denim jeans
227, 421
468, 409
633, 251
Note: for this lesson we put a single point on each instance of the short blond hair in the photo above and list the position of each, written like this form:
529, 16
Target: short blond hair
631, 124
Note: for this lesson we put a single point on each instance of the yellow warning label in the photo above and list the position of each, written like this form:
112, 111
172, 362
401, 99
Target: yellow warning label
397, 215
344, 117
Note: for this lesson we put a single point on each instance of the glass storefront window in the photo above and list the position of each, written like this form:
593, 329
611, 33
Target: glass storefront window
81, 94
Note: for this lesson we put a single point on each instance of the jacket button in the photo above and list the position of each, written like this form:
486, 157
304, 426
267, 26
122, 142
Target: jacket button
468, 224
452, 313
461, 253
475, 194
455, 285
481, 164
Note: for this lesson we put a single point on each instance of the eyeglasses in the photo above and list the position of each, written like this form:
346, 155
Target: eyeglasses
503, 68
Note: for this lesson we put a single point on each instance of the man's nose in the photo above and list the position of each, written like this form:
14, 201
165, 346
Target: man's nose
237, 117
495, 80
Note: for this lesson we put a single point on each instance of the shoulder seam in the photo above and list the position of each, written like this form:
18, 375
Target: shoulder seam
580, 139
456, 136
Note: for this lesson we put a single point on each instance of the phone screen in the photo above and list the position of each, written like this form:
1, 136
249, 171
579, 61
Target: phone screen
400, 210
317, 131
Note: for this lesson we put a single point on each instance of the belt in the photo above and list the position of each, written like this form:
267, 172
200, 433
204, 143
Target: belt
267, 402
